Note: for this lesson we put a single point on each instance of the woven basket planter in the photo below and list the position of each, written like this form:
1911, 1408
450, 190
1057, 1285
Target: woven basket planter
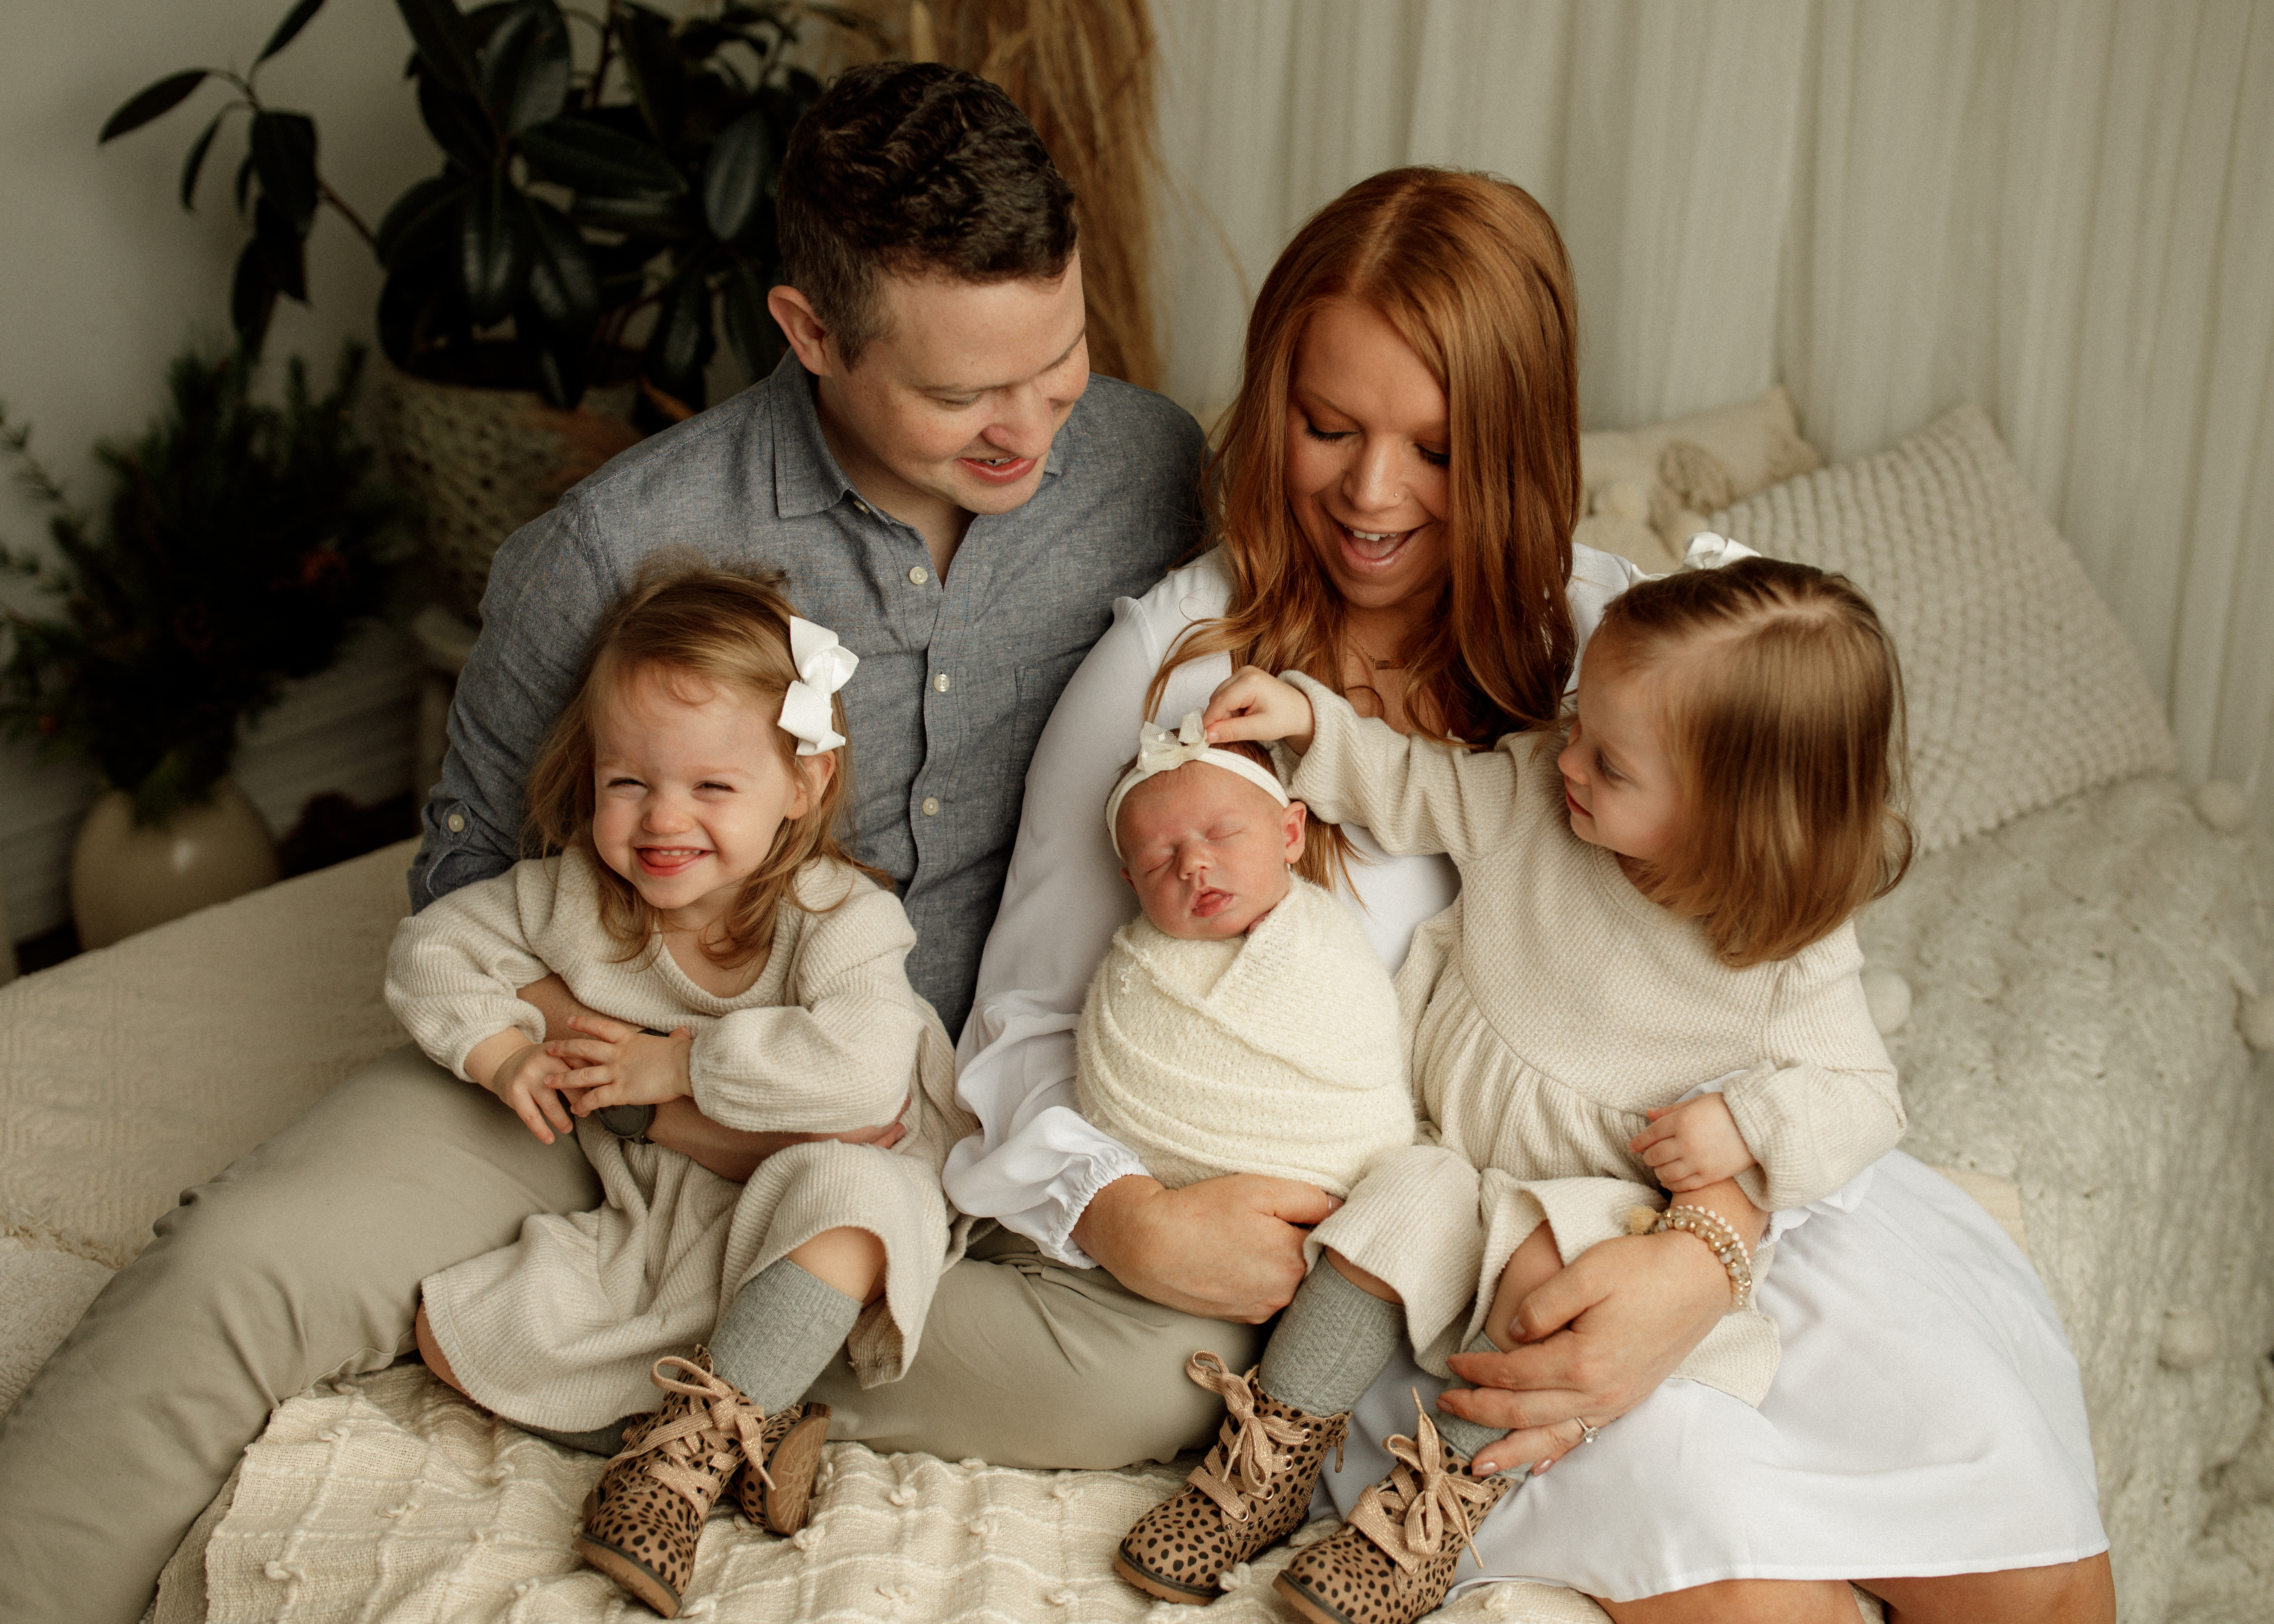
483, 463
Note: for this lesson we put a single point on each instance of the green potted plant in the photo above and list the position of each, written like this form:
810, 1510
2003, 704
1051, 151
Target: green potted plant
239, 543
588, 201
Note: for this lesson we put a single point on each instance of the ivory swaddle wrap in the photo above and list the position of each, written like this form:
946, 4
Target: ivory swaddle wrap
1278, 1052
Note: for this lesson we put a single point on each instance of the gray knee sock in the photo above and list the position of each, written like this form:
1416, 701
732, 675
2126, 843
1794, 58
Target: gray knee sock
1464, 1435
1331, 1343
780, 1333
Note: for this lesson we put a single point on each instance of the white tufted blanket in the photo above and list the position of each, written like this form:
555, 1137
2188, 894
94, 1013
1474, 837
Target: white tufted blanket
2074, 978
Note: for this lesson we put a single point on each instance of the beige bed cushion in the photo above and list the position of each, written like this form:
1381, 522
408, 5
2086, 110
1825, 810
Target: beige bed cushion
129, 1074
2021, 688
1649, 489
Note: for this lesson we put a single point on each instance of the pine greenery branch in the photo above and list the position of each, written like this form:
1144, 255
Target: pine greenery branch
239, 543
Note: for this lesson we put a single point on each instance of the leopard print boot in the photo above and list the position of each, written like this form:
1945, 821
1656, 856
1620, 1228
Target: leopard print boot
1393, 1560
1250, 1492
643, 1517
776, 1487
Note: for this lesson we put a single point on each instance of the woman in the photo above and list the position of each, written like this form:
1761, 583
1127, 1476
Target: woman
1395, 492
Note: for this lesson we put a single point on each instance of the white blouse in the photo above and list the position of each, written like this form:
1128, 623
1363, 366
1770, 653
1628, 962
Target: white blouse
1035, 1162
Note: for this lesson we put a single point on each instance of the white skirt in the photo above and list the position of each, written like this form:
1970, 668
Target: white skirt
1927, 1419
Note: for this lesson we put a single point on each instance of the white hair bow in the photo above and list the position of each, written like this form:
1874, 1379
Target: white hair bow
823, 666
1706, 551
1159, 751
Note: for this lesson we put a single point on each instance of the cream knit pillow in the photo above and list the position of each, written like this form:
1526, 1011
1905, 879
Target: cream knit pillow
2021, 688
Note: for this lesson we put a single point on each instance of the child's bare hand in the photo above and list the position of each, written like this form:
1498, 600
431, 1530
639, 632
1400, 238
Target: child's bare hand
1254, 704
640, 1069
523, 1081
1693, 1145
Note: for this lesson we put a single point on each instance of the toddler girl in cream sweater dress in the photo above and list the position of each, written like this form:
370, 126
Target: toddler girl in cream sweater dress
698, 900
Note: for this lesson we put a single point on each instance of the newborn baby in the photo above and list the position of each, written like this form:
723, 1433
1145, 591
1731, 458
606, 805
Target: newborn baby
1242, 1022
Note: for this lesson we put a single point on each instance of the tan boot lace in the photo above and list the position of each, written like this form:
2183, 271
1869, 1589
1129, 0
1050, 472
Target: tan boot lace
1247, 1454
1409, 1514
695, 1455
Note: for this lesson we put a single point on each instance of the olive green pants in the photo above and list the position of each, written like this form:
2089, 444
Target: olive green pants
302, 1261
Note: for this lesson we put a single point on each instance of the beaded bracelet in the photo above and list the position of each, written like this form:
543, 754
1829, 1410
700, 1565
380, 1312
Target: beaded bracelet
1719, 1235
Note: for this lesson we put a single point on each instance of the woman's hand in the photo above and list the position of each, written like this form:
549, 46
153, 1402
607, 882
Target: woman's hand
1600, 1335
1228, 1248
1253, 703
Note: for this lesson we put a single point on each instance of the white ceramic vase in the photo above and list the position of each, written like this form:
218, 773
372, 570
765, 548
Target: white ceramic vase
125, 879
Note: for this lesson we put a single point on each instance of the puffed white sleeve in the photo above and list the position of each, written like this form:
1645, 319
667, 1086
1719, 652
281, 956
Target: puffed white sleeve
1036, 1161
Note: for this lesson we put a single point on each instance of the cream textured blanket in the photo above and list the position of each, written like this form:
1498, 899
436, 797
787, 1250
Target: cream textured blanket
1278, 1052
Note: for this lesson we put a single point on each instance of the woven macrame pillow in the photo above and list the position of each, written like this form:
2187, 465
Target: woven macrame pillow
2020, 686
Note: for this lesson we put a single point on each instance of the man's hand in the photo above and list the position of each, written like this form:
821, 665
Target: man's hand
640, 1069
523, 1075
1228, 1248
1252, 703
734, 1155
561, 1010
1693, 1145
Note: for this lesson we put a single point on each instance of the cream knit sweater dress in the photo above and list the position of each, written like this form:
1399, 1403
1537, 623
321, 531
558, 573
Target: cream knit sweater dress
1553, 1006
559, 1330
1275, 1052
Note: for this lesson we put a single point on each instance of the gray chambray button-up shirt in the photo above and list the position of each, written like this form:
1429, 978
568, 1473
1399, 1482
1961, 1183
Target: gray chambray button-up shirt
956, 676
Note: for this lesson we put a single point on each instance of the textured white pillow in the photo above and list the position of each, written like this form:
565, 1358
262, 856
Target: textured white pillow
2020, 686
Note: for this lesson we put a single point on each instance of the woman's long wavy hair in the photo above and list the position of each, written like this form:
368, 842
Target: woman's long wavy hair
1780, 700
701, 629
1470, 272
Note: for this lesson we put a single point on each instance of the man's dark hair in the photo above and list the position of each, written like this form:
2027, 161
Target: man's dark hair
909, 168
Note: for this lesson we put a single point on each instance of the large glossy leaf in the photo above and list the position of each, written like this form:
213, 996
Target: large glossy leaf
652, 222
251, 297
559, 356
148, 103
651, 62
287, 31
588, 157
752, 333
681, 342
440, 34
458, 123
194, 164
737, 173
284, 156
283, 248
494, 244
562, 284
423, 222
524, 66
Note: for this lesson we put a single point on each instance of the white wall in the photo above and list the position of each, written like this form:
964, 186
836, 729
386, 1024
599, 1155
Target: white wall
105, 277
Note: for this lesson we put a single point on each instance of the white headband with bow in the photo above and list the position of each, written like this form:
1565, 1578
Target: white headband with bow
1706, 551
823, 666
1159, 751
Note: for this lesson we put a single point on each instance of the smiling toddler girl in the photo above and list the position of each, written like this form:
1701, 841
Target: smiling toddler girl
694, 893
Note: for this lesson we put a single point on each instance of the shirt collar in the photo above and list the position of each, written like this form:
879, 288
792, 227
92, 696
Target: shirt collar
807, 478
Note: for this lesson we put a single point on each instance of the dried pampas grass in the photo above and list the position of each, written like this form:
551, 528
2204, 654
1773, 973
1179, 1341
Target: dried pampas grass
1083, 71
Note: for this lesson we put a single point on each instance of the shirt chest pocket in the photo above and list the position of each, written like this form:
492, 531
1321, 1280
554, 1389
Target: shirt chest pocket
1039, 686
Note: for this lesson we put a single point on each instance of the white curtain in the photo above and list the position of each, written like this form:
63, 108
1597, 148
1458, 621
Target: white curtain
2063, 209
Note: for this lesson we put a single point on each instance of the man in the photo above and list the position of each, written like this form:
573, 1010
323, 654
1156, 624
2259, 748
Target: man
950, 494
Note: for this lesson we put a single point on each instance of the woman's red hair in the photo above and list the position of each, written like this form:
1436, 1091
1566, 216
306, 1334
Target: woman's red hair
1469, 271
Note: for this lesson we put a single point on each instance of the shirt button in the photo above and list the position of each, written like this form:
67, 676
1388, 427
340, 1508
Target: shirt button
457, 823
918, 575
865, 507
931, 806
939, 683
